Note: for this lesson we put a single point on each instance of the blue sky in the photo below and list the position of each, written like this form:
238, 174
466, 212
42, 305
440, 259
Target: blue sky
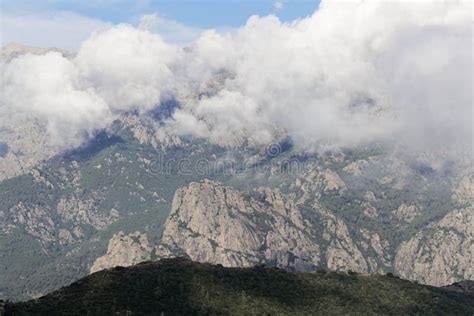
26, 20
198, 13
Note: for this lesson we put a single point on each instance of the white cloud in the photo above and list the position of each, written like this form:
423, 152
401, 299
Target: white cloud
48, 88
351, 73
279, 5
54, 29
120, 69
127, 67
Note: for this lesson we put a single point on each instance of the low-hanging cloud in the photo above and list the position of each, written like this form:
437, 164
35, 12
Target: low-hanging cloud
120, 69
351, 73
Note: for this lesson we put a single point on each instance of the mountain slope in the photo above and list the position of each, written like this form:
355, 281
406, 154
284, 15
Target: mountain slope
179, 286
359, 209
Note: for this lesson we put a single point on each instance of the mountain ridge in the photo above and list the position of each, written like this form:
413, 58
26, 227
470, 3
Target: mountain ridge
181, 286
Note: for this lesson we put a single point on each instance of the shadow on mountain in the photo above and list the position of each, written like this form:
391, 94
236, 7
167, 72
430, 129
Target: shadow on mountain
99, 142
3, 150
165, 109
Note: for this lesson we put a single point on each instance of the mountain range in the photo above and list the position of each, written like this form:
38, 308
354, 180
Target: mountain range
133, 192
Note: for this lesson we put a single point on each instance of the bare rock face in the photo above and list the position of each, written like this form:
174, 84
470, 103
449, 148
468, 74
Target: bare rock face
13, 50
84, 211
464, 192
146, 131
372, 242
356, 168
368, 209
407, 213
213, 223
333, 182
210, 222
342, 253
36, 220
441, 254
124, 250
25, 144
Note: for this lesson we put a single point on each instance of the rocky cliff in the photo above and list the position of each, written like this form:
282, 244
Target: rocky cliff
441, 253
124, 250
211, 222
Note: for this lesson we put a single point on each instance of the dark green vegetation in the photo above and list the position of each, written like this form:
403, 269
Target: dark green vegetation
182, 287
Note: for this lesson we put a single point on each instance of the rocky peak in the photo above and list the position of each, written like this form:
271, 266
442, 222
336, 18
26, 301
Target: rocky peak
214, 223
13, 50
124, 250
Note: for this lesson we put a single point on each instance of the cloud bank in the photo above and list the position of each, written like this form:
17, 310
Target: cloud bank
121, 69
351, 73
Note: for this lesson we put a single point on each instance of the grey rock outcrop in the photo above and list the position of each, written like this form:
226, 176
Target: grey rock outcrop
13, 50
28, 145
442, 253
210, 222
84, 211
124, 250
407, 213
213, 223
342, 253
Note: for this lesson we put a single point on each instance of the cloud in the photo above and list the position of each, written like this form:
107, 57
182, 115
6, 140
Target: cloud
127, 67
279, 5
47, 88
49, 29
352, 73
120, 69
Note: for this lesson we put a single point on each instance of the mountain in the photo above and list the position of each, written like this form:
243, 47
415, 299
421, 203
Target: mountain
324, 143
132, 194
13, 50
182, 287
211, 222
